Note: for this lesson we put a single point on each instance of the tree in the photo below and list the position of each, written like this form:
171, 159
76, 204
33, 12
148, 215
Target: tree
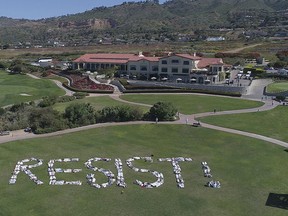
2, 65
48, 101
109, 72
280, 64
16, 69
80, 114
163, 111
119, 114
46, 120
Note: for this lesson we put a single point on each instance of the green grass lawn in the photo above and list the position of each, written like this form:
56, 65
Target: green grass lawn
21, 88
98, 103
191, 104
271, 123
277, 87
248, 169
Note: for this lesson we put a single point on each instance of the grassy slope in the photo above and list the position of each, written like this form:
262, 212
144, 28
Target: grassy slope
248, 169
191, 104
269, 123
277, 87
11, 86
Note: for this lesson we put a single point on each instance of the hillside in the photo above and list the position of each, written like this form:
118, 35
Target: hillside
145, 21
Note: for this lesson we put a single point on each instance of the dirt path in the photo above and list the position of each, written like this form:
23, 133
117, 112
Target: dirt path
237, 50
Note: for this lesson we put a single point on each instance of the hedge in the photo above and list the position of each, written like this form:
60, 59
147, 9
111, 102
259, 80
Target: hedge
65, 84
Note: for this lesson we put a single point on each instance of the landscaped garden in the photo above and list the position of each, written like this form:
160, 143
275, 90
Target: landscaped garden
191, 104
84, 83
17, 88
249, 170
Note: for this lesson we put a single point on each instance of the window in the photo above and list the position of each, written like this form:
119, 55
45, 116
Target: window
164, 61
174, 70
185, 70
175, 61
143, 68
155, 68
186, 62
164, 70
132, 67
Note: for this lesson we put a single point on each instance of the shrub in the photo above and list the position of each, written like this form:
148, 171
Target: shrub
48, 101
80, 114
119, 114
46, 120
65, 99
280, 98
163, 111
2, 111
80, 95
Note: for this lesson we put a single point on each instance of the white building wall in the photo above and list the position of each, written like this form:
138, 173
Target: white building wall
175, 66
142, 67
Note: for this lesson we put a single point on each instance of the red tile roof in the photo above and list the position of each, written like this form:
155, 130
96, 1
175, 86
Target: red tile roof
125, 58
188, 56
112, 58
206, 62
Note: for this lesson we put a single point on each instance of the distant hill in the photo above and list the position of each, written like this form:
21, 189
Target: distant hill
145, 21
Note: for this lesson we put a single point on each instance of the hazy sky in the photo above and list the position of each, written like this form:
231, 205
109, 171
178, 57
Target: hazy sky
37, 9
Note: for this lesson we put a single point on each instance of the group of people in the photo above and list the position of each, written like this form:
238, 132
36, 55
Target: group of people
91, 180
207, 173
214, 184
206, 170
159, 176
177, 168
52, 171
120, 177
26, 169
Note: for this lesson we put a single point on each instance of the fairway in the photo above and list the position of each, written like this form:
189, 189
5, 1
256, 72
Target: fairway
248, 169
17, 88
191, 104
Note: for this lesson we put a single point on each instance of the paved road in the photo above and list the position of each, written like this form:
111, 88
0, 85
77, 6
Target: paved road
67, 91
256, 89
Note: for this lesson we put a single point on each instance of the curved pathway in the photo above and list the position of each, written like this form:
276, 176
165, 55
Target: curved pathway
67, 91
183, 119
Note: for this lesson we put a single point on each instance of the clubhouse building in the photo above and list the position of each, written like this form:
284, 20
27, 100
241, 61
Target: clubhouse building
173, 67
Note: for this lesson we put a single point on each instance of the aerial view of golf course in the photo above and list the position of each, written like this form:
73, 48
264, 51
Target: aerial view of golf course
144, 108
251, 172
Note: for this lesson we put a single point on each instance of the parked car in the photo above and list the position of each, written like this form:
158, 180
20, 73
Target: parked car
28, 129
3, 133
196, 124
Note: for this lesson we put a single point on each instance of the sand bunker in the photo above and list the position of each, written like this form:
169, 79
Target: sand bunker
23, 94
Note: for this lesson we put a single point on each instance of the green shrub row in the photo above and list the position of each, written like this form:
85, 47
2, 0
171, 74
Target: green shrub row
46, 120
